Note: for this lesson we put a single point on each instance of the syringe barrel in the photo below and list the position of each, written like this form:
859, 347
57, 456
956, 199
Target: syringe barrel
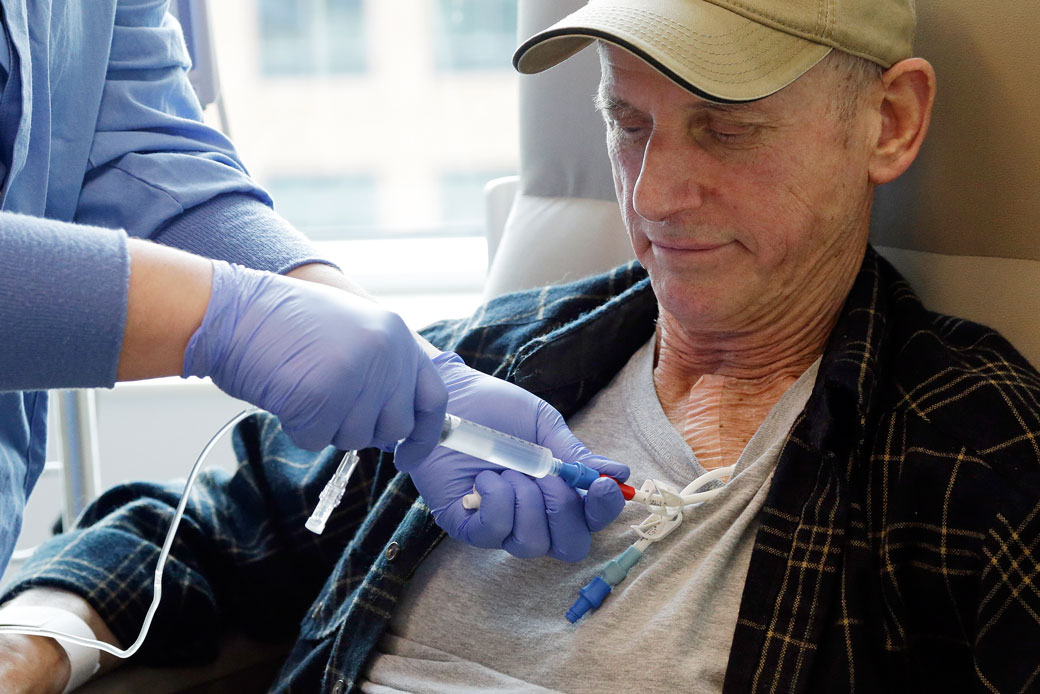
497, 447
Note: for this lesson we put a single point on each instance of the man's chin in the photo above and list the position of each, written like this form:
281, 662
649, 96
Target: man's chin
700, 304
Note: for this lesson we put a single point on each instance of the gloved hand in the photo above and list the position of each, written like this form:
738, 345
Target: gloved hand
526, 517
332, 366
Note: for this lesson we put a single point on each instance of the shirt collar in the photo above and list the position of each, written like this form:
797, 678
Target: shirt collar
568, 365
571, 363
851, 368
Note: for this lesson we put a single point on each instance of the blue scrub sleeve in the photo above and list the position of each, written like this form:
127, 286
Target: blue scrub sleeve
157, 171
240, 229
63, 307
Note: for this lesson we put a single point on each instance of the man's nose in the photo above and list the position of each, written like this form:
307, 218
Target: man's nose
668, 179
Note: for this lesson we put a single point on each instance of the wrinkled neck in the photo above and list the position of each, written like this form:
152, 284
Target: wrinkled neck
716, 389
718, 415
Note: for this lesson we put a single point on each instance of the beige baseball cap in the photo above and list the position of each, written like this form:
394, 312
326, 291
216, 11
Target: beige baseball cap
730, 50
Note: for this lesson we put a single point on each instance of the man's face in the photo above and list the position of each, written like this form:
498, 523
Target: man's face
744, 215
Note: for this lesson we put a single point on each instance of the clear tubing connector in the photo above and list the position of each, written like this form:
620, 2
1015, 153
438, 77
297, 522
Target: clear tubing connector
497, 447
332, 494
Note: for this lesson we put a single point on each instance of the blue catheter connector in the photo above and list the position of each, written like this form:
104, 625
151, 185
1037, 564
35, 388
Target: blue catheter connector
590, 597
578, 475
596, 591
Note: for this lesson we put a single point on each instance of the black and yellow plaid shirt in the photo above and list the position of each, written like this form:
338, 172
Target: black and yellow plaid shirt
898, 549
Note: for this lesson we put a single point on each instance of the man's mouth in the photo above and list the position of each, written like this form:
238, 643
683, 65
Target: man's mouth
689, 246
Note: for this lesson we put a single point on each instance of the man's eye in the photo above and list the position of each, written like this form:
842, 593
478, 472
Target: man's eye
631, 131
731, 133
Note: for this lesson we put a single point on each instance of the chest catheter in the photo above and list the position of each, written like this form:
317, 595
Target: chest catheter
664, 504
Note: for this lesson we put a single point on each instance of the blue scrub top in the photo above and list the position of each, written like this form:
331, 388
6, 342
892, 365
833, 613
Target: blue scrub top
23, 424
100, 126
8, 124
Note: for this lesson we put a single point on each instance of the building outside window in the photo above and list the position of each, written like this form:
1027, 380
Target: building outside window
300, 37
375, 124
462, 195
326, 207
368, 118
474, 34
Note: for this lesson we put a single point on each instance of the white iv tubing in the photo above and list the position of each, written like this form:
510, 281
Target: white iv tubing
688, 495
159, 566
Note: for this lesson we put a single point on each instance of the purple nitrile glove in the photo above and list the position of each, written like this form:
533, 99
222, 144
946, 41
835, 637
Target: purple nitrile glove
526, 517
336, 369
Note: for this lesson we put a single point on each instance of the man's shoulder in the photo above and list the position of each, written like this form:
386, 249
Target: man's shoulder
492, 336
968, 380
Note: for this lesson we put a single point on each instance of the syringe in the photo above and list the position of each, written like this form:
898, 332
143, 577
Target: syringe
478, 441
511, 452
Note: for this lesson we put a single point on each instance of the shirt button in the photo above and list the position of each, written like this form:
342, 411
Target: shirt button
392, 550
339, 687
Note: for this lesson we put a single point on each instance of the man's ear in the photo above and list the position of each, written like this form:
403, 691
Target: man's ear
906, 110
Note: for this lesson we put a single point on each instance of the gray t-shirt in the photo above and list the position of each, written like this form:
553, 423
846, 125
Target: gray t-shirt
479, 620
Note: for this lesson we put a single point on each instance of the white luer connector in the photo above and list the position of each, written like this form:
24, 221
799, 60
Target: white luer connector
332, 494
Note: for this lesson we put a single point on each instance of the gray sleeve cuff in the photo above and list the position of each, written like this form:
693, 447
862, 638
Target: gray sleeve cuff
64, 308
240, 229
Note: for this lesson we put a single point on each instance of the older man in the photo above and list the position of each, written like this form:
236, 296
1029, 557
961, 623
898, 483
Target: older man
879, 527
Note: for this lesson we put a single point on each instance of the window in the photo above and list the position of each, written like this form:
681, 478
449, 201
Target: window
321, 206
382, 166
474, 34
462, 198
299, 37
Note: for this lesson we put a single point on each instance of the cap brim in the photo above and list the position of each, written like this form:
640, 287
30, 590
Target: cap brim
709, 50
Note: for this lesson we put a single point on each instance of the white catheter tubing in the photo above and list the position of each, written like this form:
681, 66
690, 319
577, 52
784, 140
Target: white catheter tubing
159, 566
689, 495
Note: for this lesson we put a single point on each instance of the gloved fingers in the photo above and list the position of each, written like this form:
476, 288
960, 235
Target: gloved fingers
558, 437
431, 399
606, 466
603, 503
554, 434
530, 535
559, 514
358, 423
396, 419
311, 433
307, 440
304, 439
447, 363
454, 474
569, 534
408, 454
431, 396
489, 525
